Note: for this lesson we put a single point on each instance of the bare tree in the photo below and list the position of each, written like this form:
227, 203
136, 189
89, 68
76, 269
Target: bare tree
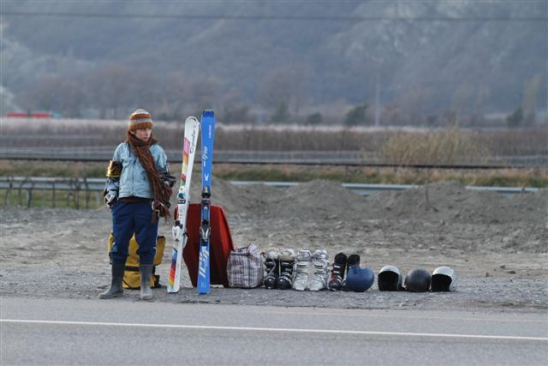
54, 93
173, 96
144, 91
461, 102
203, 93
72, 98
109, 89
284, 86
42, 96
234, 109
412, 103
530, 98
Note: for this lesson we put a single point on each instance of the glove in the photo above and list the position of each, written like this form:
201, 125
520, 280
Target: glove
168, 180
110, 199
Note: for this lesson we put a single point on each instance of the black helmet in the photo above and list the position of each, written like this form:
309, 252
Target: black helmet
390, 279
417, 280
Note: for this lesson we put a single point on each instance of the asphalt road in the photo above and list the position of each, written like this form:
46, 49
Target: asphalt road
129, 332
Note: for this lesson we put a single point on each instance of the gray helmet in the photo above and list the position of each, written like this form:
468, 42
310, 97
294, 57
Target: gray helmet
417, 280
444, 279
390, 279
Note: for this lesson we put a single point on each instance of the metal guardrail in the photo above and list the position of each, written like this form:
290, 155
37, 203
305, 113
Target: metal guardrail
46, 183
367, 189
23, 188
104, 154
98, 184
348, 158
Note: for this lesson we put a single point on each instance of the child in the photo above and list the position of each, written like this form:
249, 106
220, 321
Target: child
137, 191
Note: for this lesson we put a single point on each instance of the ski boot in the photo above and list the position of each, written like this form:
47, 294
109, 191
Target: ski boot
338, 271
287, 261
353, 260
272, 265
302, 266
320, 260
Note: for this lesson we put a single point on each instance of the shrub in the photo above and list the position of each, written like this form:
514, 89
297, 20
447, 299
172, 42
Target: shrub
314, 119
450, 146
516, 119
282, 113
357, 116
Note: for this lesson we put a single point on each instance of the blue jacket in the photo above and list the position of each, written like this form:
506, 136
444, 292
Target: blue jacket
134, 180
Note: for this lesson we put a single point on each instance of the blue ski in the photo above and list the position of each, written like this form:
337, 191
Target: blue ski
208, 129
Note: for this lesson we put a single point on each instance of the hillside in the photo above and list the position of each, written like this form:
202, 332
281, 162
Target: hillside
467, 55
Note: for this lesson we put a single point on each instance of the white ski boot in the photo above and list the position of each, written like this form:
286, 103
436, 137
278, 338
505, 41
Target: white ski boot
320, 260
302, 267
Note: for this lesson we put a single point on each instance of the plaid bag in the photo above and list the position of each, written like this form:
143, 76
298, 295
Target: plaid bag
245, 267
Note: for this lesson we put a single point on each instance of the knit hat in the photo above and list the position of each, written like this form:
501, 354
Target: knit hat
140, 119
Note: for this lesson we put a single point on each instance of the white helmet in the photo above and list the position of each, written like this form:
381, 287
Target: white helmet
444, 279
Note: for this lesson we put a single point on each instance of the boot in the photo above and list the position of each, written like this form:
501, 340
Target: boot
287, 261
145, 271
320, 261
272, 265
302, 266
116, 288
338, 271
353, 260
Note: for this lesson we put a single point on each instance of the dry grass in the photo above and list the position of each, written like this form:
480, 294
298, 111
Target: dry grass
534, 177
447, 147
532, 141
396, 145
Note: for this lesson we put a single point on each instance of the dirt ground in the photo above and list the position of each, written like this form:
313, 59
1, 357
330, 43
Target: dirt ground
498, 245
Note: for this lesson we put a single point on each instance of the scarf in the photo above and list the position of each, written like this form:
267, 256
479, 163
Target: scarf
160, 192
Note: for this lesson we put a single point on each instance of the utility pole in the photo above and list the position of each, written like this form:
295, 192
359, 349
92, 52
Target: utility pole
377, 104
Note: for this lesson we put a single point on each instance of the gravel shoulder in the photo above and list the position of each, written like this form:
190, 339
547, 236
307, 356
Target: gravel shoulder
497, 245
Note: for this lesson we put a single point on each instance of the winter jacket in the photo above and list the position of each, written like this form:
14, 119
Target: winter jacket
134, 181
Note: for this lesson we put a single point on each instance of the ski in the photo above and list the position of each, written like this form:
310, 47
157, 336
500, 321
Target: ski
208, 129
192, 129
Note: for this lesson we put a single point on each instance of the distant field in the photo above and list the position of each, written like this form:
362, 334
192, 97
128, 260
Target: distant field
404, 146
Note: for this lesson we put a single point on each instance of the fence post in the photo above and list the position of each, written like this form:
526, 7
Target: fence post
76, 198
8, 191
19, 196
29, 198
87, 194
53, 195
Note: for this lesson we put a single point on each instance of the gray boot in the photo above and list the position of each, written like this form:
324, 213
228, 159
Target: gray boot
146, 273
117, 286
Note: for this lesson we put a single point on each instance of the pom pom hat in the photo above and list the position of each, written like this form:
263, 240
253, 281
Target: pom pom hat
140, 119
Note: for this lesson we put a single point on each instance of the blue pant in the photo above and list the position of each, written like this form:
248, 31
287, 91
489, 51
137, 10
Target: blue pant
130, 218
